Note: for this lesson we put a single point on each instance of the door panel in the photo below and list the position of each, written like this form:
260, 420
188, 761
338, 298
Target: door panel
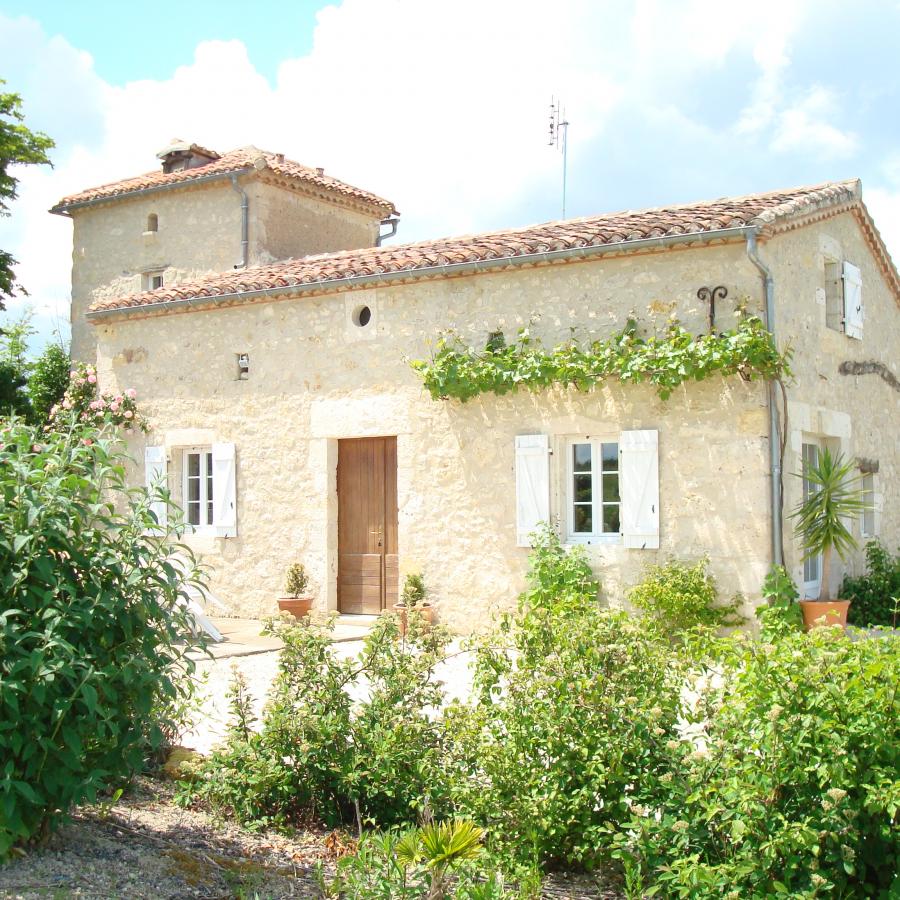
367, 524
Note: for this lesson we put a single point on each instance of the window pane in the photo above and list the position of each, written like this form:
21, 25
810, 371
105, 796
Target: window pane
193, 461
611, 518
193, 487
581, 457
610, 457
611, 488
193, 513
584, 519
583, 488
209, 489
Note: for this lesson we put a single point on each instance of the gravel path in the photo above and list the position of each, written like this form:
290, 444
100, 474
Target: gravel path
146, 847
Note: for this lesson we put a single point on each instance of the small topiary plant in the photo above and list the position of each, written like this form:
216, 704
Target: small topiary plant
414, 591
296, 581
681, 596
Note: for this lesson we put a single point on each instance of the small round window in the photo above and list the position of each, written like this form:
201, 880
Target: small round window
362, 316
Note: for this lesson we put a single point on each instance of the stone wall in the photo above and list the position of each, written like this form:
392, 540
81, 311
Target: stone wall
858, 415
315, 378
199, 233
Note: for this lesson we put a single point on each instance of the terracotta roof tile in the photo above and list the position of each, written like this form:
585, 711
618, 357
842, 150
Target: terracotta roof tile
698, 218
233, 161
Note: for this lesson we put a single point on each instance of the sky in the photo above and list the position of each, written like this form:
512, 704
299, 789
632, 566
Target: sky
443, 107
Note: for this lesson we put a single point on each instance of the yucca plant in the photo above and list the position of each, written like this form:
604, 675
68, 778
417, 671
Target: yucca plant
443, 845
835, 495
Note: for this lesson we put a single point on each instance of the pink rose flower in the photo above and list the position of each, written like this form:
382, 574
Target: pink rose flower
36, 448
67, 404
92, 379
128, 413
131, 393
114, 407
73, 374
87, 442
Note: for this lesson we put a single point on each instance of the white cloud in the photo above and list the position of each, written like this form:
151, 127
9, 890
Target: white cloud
441, 108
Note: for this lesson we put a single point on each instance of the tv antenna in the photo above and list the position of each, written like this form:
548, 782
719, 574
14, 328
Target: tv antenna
559, 133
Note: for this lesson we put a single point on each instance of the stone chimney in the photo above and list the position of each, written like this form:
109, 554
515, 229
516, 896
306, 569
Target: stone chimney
179, 154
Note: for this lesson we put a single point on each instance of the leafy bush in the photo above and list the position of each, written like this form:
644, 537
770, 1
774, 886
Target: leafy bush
90, 629
681, 596
873, 595
788, 785
85, 403
568, 730
316, 756
296, 580
781, 613
48, 381
414, 591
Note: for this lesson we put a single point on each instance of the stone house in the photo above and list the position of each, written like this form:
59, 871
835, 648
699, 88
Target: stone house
247, 300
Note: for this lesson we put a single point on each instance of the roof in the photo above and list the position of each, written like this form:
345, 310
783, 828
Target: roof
695, 223
244, 159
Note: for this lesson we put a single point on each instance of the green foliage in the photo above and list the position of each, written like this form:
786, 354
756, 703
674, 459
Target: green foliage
414, 591
296, 580
680, 597
18, 146
90, 630
15, 368
316, 756
788, 784
781, 613
460, 372
835, 495
48, 381
569, 720
83, 402
437, 861
873, 595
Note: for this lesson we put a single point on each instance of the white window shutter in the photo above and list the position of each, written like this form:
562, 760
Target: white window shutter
853, 305
155, 478
532, 485
639, 487
224, 490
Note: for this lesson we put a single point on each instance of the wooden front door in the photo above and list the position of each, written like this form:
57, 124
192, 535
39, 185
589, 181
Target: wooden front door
367, 524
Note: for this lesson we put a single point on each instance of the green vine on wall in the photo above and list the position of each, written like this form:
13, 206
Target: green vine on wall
459, 371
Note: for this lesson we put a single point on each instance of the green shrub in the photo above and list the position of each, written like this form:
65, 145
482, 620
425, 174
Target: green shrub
48, 381
568, 730
781, 613
872, 595
789, 786
89, 630
682, 596
316, 756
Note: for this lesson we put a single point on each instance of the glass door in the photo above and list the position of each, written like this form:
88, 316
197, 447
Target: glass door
812, 568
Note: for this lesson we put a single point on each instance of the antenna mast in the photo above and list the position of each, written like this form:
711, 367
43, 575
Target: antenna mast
559, 133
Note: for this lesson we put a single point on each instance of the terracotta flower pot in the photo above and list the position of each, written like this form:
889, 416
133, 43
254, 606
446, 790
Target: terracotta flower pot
426, 611
824, 612
296, 606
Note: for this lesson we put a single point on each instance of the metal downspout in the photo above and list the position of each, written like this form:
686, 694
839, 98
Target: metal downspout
776, 498
245, 215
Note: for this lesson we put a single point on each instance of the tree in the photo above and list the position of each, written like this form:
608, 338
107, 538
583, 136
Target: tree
18, 146
14, 367
48, 381
835, 495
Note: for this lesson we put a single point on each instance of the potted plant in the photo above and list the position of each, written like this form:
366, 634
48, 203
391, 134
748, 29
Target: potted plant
834, 496
295, 584
414, 597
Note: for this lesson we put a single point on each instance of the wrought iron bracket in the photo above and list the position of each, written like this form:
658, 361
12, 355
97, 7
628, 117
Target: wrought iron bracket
710, 295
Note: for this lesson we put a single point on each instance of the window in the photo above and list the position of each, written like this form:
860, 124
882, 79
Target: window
812, 567
867, 519
152, 223
150, 281
197, 489
843, 297
592, 491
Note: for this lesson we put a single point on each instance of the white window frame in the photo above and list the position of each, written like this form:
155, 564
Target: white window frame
811, 588
568, 493
148, 279
205, 525
867, 516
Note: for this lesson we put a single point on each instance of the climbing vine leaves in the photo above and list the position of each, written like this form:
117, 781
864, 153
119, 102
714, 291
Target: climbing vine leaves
459, 371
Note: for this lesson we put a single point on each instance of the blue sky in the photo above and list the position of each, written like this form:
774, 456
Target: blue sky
442, 107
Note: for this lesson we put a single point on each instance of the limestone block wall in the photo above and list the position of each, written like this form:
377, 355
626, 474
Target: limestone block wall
315, 378
287, 224
199, 232
858, 415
